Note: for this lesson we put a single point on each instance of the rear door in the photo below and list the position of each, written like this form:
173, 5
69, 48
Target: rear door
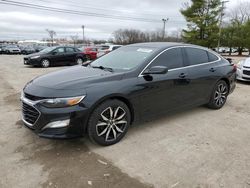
70, 55
165, 92
203, 73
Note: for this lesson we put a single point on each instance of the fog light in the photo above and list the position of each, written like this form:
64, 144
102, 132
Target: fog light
57, 124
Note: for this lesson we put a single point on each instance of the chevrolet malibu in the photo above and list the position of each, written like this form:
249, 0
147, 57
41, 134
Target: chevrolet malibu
133, 83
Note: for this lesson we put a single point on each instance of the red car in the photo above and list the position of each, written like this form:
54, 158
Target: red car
90, 52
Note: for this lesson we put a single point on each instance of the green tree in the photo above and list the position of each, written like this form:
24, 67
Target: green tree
203, 20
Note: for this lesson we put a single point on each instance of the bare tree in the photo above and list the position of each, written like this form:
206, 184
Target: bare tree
74, 38
52, 34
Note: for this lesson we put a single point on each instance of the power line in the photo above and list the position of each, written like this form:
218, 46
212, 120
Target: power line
68, 11
88, 6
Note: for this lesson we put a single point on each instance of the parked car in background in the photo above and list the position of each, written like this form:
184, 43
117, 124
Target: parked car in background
12, 49
90, 52
104, 49
27, 50
243, 70
134, 83
53, 56
2, 49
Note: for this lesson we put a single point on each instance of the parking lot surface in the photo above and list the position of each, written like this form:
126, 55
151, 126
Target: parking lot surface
198, 147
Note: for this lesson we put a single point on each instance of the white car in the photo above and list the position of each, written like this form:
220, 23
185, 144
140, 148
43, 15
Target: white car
104, 49
243, 70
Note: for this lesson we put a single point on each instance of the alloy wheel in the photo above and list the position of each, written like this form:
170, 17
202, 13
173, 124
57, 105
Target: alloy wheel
79, 61
45, 63
221, 94
112, 123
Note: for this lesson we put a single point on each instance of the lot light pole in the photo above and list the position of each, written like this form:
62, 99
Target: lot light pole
164, 27
83, 38
220, 23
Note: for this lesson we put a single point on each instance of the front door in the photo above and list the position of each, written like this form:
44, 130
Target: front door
165, 92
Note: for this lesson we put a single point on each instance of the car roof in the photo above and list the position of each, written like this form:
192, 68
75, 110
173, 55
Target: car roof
161, 45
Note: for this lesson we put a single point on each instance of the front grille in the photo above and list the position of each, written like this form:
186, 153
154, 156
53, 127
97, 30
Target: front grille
32, 97
246, 67
246, 72
30, 114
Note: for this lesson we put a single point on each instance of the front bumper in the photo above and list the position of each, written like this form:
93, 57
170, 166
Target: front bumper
243, 74
28, 61
73, 120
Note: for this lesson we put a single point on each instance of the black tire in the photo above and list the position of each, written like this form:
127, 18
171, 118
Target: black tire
45, 63
104, 130
219, 95
88, 58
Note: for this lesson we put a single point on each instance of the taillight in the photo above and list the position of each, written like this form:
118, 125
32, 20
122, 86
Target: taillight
234, 67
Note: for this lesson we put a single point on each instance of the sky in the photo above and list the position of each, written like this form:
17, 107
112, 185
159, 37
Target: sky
19, 23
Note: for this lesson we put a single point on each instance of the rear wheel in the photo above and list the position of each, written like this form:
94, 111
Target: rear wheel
219, 95
109, 122
79, 60
45, 63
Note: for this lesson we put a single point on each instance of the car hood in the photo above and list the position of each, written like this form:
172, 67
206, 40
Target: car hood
247, 62
70, 80
34, 54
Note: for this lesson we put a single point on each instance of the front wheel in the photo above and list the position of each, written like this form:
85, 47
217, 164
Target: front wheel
45, 63
219, 95
109, 122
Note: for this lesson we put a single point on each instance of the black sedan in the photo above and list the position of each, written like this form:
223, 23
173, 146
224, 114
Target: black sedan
133, 83
53, 56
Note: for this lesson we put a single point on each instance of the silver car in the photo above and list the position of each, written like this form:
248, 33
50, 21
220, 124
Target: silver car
243, 70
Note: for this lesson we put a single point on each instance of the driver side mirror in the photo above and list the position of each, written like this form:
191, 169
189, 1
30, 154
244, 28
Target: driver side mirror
156, 70
54, 53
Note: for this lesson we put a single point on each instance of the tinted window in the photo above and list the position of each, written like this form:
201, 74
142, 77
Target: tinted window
212, 57
59, 50
70, 50
171, 58
196, 56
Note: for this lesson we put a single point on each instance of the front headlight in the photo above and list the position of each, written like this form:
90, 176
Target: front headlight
35, 57
240, 64
62, 102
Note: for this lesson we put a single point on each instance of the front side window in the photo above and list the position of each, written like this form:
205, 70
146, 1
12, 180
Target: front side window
59, 50
70, 50
171, 59
196, 56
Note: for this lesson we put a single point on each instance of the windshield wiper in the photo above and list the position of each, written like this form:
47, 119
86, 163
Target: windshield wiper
103, 68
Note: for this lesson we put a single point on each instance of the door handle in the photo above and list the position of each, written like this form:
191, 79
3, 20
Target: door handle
212, 70
182, 75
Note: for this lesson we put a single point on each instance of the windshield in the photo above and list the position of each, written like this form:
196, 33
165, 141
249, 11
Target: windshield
125, 58
49, 49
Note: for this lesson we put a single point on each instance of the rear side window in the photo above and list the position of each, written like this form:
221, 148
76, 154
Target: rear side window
212, 57
196, 56
172, 59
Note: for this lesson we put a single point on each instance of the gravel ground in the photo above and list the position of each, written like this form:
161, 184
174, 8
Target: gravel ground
194, 148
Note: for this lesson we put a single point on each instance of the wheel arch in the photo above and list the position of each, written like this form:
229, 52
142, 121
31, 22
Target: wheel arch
227, 81
113, 97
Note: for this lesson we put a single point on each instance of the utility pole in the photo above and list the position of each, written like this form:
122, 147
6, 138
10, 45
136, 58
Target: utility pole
164, 27
220, 23
83, 38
